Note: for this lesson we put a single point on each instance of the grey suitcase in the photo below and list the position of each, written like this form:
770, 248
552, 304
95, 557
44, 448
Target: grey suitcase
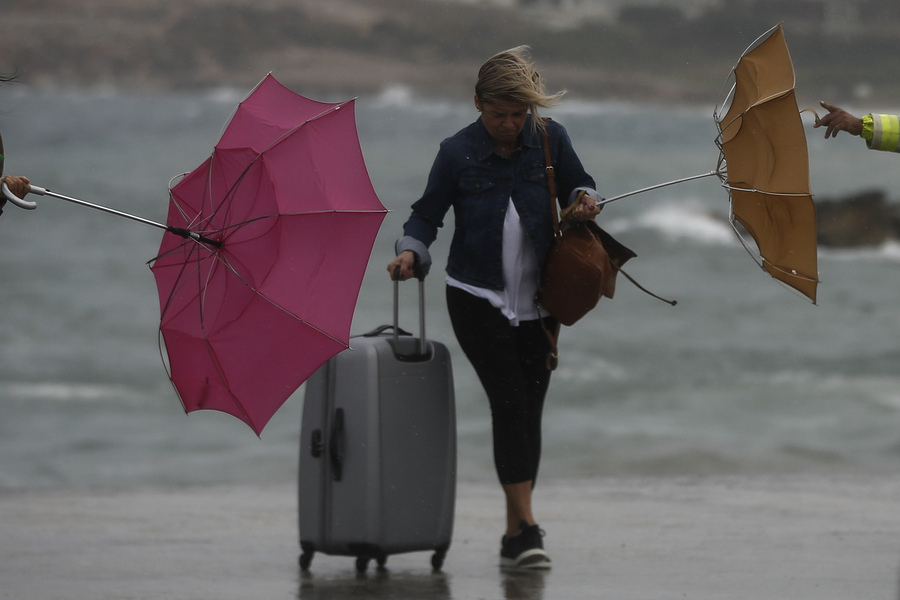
377, 471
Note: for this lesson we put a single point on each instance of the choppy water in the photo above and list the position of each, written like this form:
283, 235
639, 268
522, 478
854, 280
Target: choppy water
741, 376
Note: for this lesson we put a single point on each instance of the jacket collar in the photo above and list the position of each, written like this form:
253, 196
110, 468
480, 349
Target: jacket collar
530, 139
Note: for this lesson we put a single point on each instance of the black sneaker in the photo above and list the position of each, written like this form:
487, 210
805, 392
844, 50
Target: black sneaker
526, 550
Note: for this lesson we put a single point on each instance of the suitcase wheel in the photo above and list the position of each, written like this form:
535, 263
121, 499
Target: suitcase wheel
362, 562
308, 551
437, 559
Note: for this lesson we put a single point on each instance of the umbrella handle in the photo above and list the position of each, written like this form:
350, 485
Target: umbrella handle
26, 204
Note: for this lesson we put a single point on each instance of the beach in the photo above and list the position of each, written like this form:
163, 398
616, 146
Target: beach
744, 444
786, 537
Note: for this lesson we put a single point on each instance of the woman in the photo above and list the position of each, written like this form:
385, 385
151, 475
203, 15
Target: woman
17, 185
492, 174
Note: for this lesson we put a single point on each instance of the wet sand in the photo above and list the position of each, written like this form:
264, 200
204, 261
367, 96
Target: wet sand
814, 537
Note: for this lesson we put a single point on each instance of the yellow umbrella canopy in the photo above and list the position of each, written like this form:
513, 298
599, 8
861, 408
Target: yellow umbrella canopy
765, 165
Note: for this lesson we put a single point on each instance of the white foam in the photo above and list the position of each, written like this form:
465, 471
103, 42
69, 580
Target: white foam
888, 251
678, 221
65, 392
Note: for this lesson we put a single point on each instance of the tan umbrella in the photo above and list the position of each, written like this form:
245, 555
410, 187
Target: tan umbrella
764, 164
764, 150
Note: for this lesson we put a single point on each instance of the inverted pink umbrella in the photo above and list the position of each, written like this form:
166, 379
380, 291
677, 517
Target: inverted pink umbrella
282, 218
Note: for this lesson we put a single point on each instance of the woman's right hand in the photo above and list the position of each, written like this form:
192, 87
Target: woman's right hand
405, 262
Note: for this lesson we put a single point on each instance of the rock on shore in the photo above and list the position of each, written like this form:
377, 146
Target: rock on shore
865, 218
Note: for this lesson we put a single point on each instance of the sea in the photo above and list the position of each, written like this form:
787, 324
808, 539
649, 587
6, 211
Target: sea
742, 376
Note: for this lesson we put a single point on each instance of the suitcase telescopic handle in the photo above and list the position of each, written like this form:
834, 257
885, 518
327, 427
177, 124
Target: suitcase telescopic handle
396, 279
421, 279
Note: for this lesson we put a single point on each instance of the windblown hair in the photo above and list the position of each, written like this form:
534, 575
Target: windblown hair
510, 76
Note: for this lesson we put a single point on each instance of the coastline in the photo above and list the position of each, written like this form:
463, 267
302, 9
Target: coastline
435, 47
791, 537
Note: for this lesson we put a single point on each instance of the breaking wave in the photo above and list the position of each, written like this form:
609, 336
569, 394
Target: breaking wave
888, 251
67, 392
687, 220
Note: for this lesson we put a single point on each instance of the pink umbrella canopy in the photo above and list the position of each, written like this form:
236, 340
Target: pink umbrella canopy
281, 219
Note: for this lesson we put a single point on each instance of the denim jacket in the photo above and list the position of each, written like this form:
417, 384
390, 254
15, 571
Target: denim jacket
478, 183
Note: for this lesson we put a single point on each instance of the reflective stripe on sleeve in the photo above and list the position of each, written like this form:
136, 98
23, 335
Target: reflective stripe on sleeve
886, 133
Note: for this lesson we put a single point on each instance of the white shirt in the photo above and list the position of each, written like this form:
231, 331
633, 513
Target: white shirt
520, 274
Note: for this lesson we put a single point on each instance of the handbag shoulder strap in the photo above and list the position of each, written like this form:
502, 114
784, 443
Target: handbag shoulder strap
552, 337
551, 178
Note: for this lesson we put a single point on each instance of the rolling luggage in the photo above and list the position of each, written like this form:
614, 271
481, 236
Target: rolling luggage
377, 471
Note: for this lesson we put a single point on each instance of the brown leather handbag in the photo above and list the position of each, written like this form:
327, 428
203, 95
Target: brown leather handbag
582, 264
580, 269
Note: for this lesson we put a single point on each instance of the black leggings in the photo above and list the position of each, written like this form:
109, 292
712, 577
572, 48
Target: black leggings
511, 364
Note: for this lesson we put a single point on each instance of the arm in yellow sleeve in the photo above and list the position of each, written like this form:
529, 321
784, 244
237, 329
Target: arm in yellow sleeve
882, 132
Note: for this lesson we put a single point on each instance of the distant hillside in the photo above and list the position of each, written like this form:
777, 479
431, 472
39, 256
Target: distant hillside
359, 46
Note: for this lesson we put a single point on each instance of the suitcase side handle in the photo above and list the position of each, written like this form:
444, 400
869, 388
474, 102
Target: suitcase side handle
336, 445
315, 445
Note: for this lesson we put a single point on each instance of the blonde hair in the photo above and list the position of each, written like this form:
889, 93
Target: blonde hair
510, 76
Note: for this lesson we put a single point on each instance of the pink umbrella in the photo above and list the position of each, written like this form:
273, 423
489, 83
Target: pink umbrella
281, 220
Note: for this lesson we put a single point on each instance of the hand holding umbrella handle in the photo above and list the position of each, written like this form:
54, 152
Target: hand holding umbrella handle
26, 204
